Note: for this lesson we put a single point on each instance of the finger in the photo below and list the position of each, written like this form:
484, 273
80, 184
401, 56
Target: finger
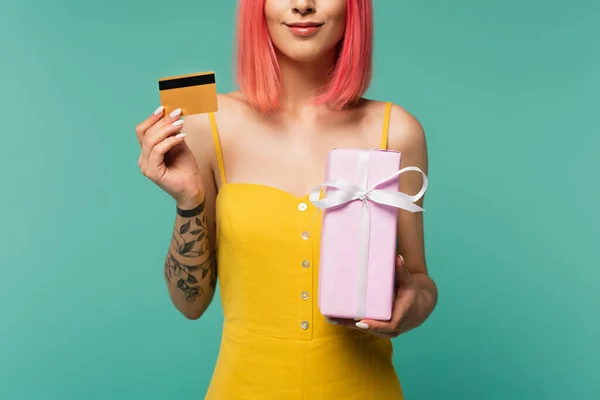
377, 328
340, 321
375, 325
348, 323
372, 327
162, 122
402, 304
158, 136
158, 127
358, 326
402, 276
399, 265
144, 126
363, 325
158, 152
156, 123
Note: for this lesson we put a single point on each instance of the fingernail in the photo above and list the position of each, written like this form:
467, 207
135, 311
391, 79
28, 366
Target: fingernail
362, 325
332, 322
175, 113
180, 135
159, 110
177, 123
401, 259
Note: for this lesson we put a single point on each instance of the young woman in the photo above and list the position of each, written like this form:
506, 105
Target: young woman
240, 179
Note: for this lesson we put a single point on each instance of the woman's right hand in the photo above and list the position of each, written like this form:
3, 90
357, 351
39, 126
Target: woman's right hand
166, 159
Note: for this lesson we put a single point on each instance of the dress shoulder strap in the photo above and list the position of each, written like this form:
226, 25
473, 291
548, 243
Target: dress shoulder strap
217, 141
386, 125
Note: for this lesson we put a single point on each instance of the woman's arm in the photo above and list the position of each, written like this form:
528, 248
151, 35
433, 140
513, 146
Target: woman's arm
190, 267
407, 136
416, 292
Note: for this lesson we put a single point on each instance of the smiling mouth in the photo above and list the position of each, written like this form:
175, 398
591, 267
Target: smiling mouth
305, 25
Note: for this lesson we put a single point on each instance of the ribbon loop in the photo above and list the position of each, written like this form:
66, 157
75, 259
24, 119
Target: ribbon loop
347, 192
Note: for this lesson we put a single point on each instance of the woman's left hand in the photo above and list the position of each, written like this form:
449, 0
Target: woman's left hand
404, 311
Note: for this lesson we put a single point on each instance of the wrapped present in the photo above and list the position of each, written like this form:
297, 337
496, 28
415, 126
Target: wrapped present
360, 199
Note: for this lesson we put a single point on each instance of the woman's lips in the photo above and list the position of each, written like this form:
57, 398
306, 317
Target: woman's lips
304, 29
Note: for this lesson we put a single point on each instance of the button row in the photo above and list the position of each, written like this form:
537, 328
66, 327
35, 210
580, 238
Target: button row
306, 284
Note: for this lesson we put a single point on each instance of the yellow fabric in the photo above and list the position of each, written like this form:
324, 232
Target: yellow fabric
215, 133
386, 125
276, 345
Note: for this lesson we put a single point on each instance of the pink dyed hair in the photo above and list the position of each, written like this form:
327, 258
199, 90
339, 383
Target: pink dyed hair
258, 70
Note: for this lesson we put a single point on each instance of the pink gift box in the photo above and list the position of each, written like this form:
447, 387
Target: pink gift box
358, 242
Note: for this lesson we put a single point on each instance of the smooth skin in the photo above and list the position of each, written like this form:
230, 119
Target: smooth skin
287, 150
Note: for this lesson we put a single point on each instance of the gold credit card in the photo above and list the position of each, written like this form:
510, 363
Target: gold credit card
193, 93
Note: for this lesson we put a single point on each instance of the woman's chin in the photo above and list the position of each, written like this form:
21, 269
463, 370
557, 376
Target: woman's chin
306, 55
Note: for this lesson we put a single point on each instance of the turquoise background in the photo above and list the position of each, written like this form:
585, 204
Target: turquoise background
508, 94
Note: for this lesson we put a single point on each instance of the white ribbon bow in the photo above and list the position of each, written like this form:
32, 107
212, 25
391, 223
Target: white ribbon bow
347, 192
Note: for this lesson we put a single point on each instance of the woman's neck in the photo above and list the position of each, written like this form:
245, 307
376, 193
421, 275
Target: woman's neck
302, 82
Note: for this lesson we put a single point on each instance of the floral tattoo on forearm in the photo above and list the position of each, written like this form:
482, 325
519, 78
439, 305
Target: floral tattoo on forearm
189, 260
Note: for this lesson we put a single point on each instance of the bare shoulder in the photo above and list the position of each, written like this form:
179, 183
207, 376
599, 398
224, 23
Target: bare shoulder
199, 130
198, 126
406, 135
